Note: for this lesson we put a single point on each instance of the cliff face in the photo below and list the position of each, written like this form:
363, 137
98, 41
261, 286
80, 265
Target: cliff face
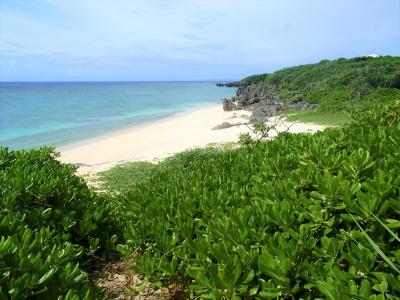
263, 101
247, 96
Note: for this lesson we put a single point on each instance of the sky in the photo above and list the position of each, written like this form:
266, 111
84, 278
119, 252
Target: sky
95, 40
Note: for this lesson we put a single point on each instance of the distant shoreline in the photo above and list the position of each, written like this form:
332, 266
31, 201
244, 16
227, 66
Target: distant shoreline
70, 145
217, 82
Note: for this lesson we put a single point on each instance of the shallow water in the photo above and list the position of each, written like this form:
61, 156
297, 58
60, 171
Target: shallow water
58, 113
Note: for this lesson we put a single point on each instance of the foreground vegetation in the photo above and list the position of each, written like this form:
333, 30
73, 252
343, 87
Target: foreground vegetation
303, 216
52, 228
300, 217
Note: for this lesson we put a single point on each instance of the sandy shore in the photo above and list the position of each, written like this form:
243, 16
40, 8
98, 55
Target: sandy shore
162, 138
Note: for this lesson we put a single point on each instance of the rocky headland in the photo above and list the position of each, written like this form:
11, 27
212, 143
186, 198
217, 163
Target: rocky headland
263, 101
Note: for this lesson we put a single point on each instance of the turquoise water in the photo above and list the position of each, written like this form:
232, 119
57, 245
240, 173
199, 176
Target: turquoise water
58, 113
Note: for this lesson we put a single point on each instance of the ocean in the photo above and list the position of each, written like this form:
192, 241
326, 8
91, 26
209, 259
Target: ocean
59, 113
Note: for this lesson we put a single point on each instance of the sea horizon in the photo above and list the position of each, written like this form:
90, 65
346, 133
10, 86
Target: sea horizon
58, 113
116, 81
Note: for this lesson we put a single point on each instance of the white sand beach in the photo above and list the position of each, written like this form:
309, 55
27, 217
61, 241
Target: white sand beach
163, 138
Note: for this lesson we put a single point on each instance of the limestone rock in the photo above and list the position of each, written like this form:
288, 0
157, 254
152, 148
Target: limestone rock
228, 105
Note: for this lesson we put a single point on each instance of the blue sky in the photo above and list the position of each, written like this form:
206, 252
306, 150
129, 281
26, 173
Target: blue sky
186, 40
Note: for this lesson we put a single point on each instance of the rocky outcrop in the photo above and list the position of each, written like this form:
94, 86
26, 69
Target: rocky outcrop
263, 101
228, 105
247, 96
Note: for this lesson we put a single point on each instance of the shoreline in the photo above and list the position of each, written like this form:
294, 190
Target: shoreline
171, 115
162, 138
154, 140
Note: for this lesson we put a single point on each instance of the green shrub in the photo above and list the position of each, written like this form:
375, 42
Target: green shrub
302, 216
396, 81
51, 225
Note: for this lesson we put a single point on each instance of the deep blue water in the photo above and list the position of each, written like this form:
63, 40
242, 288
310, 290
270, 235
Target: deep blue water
58, 113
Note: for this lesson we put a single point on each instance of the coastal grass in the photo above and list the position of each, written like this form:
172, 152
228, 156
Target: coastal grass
122, 178
224, 145
317, 117
339, 114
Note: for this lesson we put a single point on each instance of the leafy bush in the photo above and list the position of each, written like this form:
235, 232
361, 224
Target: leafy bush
396, 81
51, 224
302, 216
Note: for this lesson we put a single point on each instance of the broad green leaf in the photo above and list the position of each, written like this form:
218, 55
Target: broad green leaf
47, 276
